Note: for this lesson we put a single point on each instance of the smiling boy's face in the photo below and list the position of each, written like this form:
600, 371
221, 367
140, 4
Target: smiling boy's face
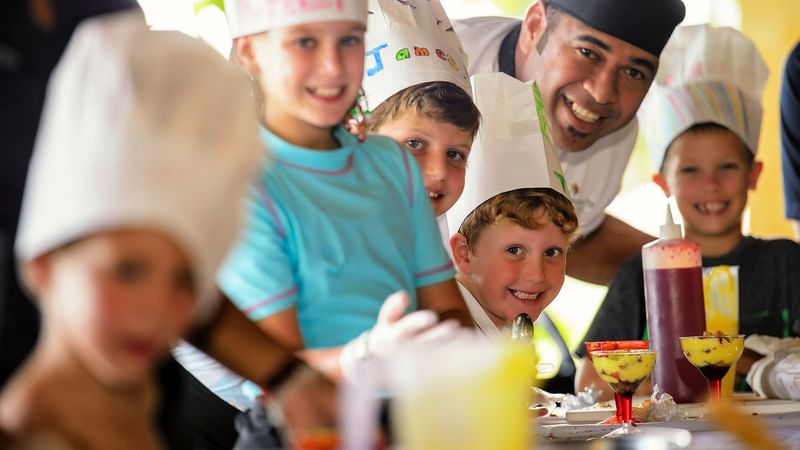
441, 150
709, 175
512, 269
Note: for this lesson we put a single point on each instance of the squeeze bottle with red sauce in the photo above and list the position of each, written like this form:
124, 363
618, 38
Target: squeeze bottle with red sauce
673, 291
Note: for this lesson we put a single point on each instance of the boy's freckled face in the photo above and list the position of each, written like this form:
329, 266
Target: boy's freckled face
709, 177
441, 150
119, 301
515, 270
311, 73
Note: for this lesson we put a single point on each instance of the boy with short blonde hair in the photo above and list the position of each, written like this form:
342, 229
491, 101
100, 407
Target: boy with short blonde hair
513, 226
511, 254
530, 208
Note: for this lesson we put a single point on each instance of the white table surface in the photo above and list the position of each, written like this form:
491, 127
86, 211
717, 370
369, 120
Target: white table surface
785, 427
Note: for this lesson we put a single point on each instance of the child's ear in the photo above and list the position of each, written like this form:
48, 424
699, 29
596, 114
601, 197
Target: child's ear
461, 254
662, 183
533, 27
755, 172
36, 273
245, 55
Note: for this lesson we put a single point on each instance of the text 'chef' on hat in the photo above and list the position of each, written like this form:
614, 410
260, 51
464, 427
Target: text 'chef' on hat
409, 43
707, 74
142, 129
647, 24
513, 148
247, 17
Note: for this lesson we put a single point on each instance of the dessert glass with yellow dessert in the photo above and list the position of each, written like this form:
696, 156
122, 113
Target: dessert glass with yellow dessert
713, 355
593, 346
624, 370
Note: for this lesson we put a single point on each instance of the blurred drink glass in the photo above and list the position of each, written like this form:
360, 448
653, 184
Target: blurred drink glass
470, 394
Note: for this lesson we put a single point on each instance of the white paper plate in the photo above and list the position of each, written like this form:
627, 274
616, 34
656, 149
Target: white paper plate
571, 433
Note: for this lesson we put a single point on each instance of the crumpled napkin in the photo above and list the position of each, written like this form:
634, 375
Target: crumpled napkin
661, 407
766, 345
587, 397
559, 404
777, 374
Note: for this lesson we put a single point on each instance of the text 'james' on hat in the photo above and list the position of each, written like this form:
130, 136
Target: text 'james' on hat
408, 44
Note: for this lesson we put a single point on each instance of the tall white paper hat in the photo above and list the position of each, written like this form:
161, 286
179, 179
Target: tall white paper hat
409, 43
256, 16
513, 148
706, 75
142, 129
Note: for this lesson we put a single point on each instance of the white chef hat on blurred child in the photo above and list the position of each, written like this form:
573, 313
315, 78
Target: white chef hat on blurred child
513, 148
706, 74
247, 17
144, 129
409, 43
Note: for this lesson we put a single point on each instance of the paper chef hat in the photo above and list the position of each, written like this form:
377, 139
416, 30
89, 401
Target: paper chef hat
409, 43
706, 75
513, 148
256, 16
134, 135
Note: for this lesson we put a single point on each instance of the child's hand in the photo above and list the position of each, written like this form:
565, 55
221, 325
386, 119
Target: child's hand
306, 407
394, 328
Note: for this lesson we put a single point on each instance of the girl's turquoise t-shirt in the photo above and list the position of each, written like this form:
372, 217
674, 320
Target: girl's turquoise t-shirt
332, 234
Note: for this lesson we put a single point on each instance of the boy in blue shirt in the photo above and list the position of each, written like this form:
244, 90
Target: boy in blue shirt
336, 224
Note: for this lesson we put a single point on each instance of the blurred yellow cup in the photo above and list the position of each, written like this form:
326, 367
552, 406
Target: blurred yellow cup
469, 394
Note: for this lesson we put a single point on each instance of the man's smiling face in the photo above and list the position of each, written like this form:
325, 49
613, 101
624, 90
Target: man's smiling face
591, 82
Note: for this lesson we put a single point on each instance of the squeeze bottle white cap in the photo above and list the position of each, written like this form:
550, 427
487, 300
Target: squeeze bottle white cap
670, 230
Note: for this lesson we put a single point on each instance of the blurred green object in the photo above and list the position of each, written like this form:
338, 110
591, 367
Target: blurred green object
200, 5
515, 8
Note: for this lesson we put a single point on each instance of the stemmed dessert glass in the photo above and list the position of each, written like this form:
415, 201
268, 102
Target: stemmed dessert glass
713, 355
624, 370
593, 346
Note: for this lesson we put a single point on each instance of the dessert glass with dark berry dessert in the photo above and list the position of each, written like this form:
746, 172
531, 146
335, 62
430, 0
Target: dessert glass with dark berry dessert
593, 346
624, 370
713, 355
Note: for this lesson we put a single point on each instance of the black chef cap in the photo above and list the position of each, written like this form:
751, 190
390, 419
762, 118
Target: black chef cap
647, 24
